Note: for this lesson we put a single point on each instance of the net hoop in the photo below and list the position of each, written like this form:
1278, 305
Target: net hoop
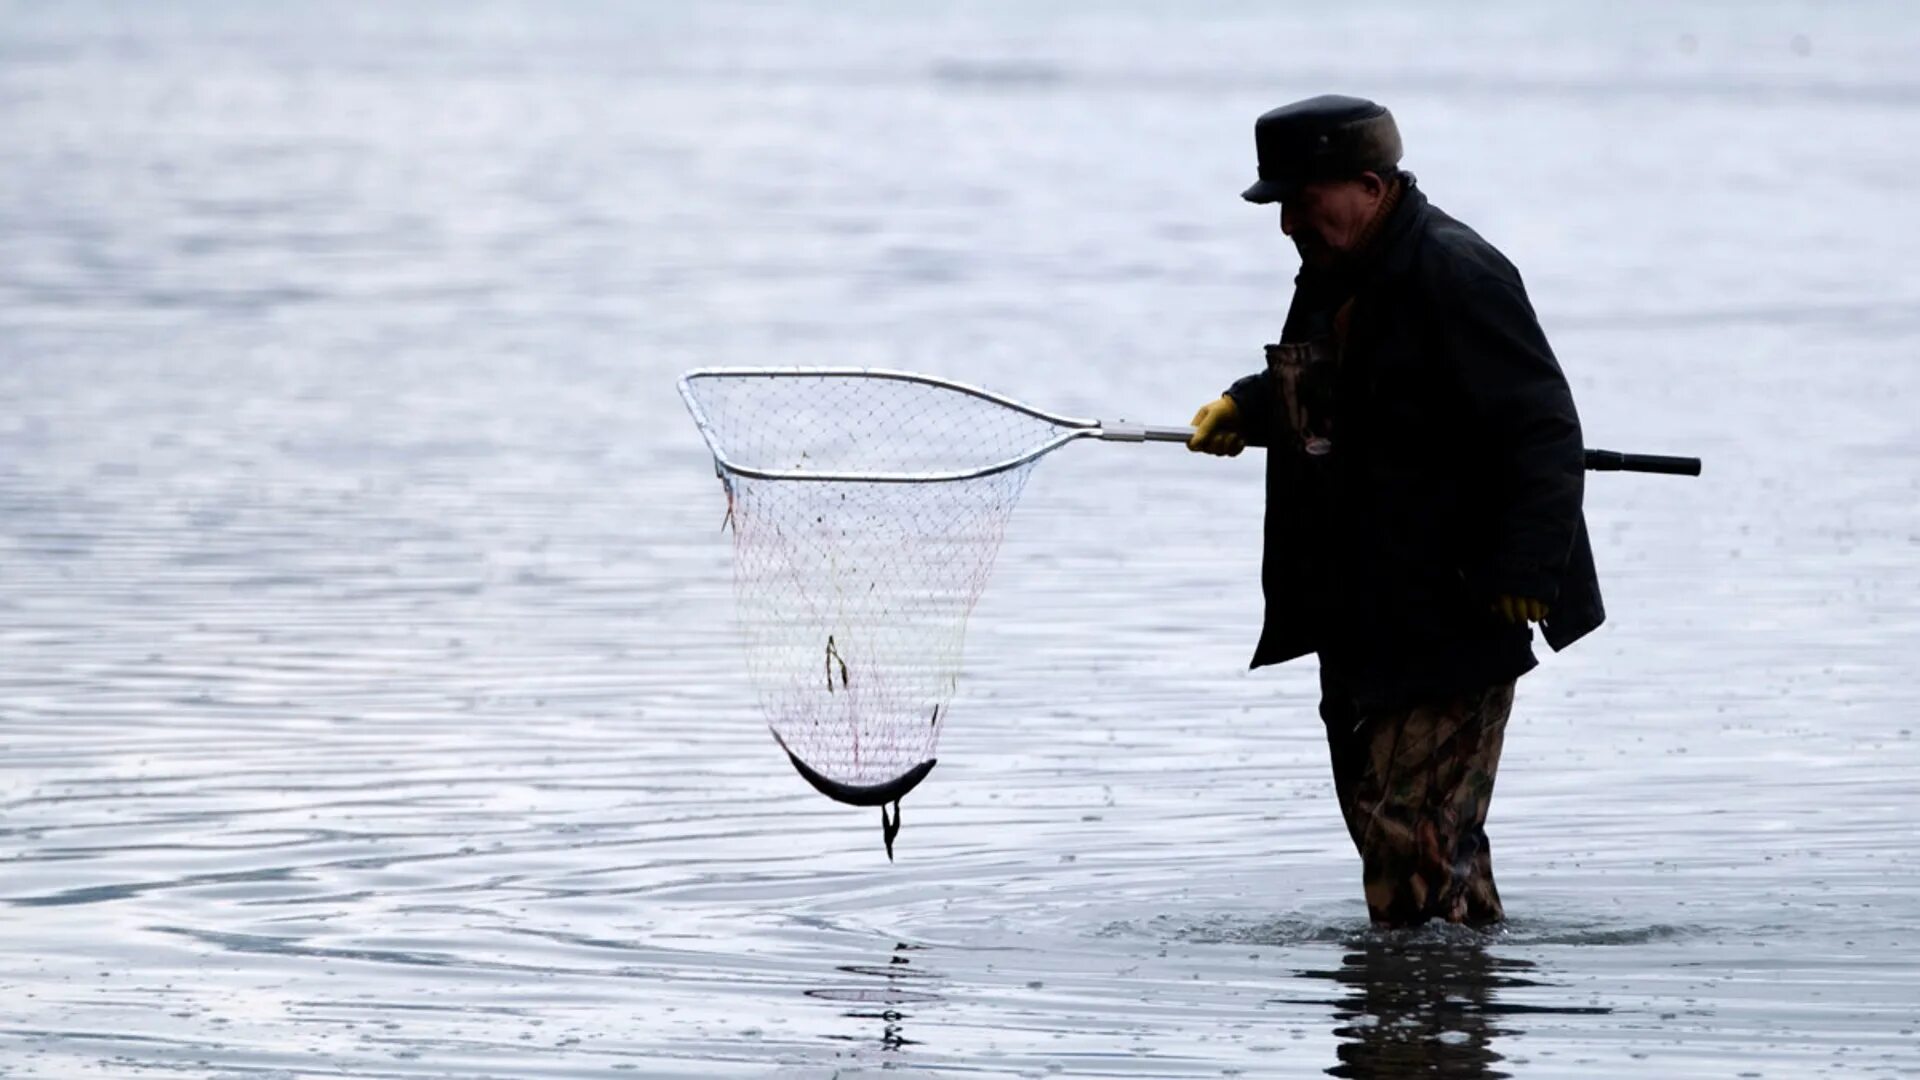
1077, 428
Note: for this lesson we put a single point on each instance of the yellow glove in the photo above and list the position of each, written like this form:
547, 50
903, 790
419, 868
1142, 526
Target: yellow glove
1520, 610
1216, 428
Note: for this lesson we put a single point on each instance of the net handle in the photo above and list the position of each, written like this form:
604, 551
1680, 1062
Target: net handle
1122, 431
1596, 460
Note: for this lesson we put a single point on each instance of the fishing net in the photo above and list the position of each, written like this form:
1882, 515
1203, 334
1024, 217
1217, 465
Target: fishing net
866, 511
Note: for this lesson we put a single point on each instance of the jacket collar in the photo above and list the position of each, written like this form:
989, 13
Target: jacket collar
1394, 249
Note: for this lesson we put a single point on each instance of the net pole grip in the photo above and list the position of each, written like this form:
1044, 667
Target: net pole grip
1614, 461
1122, 431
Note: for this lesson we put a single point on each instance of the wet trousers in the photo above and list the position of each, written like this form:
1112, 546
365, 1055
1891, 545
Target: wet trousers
1414, 785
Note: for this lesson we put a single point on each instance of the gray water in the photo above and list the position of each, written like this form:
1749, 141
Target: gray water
369, 702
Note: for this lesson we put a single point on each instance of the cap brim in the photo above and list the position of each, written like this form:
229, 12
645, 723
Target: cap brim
1265, 191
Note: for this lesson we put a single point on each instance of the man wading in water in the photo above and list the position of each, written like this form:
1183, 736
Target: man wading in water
1423, 499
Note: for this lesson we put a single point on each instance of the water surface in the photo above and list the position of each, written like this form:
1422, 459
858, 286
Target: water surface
369, 705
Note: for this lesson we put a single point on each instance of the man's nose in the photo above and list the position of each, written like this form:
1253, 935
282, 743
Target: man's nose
1286, 219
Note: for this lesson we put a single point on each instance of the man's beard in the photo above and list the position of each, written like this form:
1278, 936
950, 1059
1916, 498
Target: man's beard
1314, 251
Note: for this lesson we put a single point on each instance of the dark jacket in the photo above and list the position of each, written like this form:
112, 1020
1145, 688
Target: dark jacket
1455, 473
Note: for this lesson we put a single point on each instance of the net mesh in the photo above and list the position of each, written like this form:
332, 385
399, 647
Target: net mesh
853, 594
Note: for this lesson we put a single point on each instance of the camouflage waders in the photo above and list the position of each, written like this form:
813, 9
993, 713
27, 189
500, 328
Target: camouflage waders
1414, 785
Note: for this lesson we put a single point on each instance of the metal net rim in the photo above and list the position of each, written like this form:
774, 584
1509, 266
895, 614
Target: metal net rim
1075, 427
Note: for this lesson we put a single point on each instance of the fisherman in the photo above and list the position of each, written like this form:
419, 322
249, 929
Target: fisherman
1423, 499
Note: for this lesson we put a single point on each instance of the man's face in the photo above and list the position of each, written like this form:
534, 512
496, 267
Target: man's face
1326, 217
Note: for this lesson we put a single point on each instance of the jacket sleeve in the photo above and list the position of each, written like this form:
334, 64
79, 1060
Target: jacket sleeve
1254, 397
1521, 411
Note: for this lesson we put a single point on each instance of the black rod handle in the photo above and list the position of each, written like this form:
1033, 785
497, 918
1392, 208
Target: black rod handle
1615, 461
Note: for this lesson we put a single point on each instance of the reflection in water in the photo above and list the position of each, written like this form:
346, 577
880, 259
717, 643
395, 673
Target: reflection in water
884, 999
1418, 1007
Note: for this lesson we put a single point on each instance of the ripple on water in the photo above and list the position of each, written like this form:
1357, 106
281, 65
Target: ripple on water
369, 702
1293, 931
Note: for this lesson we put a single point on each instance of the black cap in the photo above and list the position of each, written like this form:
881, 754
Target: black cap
1322, 138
